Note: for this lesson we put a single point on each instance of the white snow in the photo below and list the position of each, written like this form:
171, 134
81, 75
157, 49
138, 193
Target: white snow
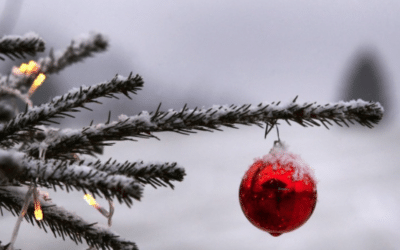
121, 78
280, 156
16, 155
87, 39
28, 36
122, 117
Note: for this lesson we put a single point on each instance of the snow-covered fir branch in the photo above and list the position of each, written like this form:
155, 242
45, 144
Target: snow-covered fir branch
81, 177
111, 179
86, 141
62, 222
18, 46
153, 173
188, 120
58, 107
80, 48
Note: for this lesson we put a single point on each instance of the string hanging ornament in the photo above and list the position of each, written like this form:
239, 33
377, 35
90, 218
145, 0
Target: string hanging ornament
278, 193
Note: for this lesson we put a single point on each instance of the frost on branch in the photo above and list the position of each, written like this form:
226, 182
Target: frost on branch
58, 107
188, 120
63, 223
80, 48
17, 46
81, 177
153, 173
110, 179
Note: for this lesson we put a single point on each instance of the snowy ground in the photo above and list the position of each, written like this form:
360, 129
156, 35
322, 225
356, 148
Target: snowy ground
358, 202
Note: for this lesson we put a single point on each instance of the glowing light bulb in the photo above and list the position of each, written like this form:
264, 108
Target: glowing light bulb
38, 211
26, 69
29, 69
91, 200
38, 81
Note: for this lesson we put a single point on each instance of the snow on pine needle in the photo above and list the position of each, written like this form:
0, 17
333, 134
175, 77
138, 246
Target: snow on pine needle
17, 46
186, 121
58, 107
80, 48
64, 223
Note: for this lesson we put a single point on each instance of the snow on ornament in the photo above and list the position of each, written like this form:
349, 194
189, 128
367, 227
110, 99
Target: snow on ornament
278, 193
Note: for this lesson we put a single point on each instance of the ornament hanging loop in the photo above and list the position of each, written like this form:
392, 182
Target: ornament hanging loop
267, 130
277, 132
277, 143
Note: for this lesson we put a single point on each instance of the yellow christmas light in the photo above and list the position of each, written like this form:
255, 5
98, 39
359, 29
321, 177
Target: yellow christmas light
38, 211
27, 69
36, 203
91, 201
38, 81
104, 212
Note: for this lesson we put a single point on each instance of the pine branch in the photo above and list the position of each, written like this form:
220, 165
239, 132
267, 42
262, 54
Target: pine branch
62, 222
58, 107
155, 174
185, 121
110, 179
68, 174
17, 46
86, 140
365, 113
80, 48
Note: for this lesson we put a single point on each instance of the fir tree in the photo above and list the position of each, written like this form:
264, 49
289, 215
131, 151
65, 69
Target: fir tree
33, 154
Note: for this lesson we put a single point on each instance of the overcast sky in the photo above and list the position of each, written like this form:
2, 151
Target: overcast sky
222, 52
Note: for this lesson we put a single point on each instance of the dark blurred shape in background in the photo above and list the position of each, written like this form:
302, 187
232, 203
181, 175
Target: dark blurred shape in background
367, 79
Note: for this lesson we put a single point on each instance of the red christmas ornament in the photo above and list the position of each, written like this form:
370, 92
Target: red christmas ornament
278, 193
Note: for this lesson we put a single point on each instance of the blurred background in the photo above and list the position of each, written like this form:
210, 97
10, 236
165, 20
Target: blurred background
233, 52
